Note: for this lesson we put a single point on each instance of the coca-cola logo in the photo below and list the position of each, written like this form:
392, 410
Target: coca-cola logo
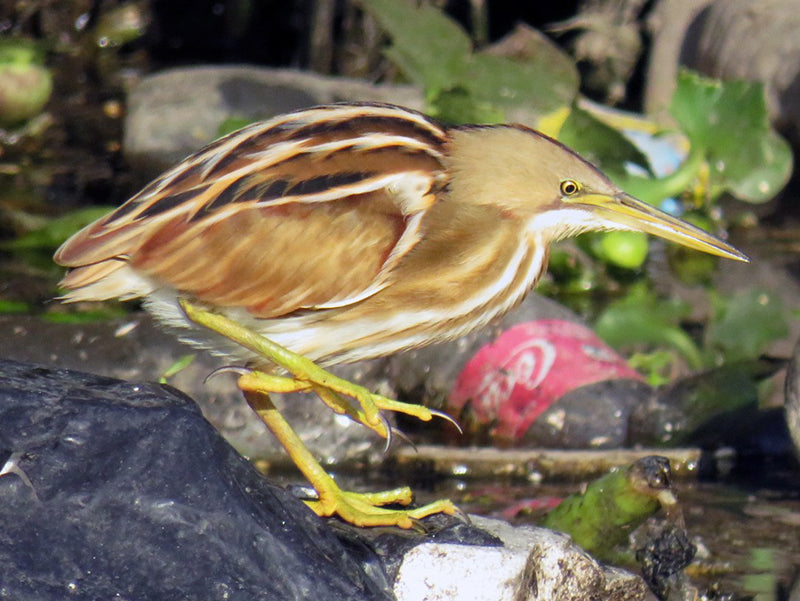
514, 379
526, 366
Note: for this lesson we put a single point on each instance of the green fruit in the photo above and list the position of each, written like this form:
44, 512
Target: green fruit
623, 249
24, 90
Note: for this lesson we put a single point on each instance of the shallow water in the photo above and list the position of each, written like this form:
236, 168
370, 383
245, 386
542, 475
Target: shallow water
748, 540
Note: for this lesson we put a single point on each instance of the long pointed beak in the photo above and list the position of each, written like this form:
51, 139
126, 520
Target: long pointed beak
631, 213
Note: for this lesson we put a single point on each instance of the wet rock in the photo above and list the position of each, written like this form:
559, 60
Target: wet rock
112, 489
532, 564
595, 416
134, 348
120, 490
175, 112
663, 559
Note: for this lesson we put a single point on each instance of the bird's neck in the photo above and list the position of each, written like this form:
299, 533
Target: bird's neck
455, 281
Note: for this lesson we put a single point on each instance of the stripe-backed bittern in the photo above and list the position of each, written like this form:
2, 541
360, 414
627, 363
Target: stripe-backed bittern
348, 232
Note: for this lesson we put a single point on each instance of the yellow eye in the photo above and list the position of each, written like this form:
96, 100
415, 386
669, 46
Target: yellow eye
569, 187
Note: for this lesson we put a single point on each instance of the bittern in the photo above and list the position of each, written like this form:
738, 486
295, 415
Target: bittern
348, 232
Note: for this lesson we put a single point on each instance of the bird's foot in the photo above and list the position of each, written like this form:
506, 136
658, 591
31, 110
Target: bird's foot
363, 406
360, 509
368, 509
336, 392
306, 375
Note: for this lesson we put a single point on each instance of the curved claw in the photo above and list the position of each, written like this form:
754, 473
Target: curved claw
227, 369
462, 515
446, 417
389, 435
419, 526
402, 435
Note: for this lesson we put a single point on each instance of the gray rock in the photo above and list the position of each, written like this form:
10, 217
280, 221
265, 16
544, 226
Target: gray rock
134, 348
175, 112
792, 403
533, 564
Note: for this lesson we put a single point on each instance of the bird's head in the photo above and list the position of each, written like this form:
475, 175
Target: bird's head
556, 192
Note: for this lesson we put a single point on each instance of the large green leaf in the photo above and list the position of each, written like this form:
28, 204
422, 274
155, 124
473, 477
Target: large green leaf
642, 319
745, 324
601, 144
427, 46
545, 82
728, 123
461, 85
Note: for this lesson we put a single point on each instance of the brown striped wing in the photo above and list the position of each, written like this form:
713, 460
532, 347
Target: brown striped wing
309, 210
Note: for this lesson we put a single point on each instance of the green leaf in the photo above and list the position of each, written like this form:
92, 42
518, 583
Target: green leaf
642, 319
177, 366
427, 46
728, 123
434, 51
102, 314
769, 172
623, 249
456, 105
56, 231
10, 307
544, 83
600, 144
745, 324
232, 124
657, 366
21, 51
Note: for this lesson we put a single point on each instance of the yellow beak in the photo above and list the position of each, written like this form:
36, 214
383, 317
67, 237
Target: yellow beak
634, 214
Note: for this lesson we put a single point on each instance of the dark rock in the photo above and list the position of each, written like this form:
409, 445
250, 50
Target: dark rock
595, 416
663, 559
119, 490
134, 348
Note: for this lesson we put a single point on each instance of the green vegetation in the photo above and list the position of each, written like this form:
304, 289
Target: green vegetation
740, 329
613, 506
467, 86
731, 146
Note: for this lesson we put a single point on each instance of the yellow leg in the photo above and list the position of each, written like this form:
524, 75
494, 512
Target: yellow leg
360, 509
327, 385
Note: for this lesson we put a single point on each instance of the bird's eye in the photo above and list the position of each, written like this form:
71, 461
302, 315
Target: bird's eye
569, 187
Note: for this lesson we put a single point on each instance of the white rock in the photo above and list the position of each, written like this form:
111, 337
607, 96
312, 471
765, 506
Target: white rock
534, 564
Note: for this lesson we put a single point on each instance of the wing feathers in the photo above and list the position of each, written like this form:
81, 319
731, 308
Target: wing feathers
267, 217
290, 257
